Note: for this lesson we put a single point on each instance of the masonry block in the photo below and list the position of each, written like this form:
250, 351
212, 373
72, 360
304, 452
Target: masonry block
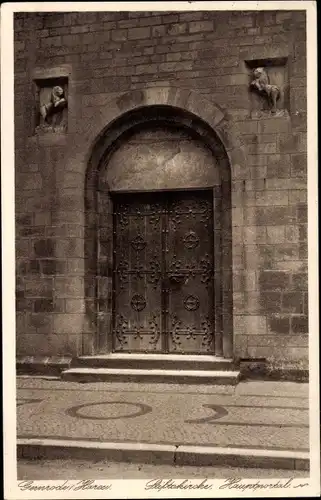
196, 26
278, 166
297, 196
52, 266
38, 287
272, 198
159, 31
119, 35
292, 233
293, 302
292, 143
300, 324
250, 325
300, 281
43, 305
69, 287
75, 266
302, 213
240, 344
149, 20
70, 248
139, 33
286, 183
244, 281
279, 324
274, 126
274, 280
303, 232
258, 172
44, 248
254, 234
270, 216
276, 234
74, 306
289, 251
298, 165
177, 29
270, 302
40, 323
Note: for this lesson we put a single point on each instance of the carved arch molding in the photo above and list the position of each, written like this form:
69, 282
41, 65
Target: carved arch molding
207, 122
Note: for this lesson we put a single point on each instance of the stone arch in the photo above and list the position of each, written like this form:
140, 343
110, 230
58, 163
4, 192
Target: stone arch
184, 99
205, 119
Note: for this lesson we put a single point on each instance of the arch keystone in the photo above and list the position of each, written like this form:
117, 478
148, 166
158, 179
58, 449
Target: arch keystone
157, 96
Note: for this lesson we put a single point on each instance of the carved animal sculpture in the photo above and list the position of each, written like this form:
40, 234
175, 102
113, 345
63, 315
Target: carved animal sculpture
57, 103
262, 85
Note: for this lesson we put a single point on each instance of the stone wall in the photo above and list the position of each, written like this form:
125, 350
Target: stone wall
105, 55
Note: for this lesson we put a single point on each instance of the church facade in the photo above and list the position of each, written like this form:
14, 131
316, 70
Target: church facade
161, 186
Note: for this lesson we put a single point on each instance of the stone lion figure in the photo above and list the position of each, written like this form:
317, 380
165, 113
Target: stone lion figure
57, 103
262, 85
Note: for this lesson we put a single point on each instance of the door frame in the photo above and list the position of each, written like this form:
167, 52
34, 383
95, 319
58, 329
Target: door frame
99, 228
222, 276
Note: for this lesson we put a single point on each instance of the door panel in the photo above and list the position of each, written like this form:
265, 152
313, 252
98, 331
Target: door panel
189, 270
163, 273
137, 275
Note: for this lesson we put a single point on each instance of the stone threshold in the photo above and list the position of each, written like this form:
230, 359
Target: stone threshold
49, 366
178, 376
203, 456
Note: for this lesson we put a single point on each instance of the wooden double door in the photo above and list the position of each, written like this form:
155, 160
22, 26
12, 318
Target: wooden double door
163, 272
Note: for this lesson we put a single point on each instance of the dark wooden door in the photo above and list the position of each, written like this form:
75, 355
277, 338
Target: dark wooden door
163, 272
189, 273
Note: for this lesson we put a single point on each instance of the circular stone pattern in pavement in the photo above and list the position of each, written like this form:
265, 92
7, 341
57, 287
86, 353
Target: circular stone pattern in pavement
219, 412
109, 410
22, 401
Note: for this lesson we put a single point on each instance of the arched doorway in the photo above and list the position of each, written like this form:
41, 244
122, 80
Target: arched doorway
158, 209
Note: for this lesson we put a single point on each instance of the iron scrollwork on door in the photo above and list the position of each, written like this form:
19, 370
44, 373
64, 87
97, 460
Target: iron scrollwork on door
192, 208
179, 273
191, 303
175, 272
138, 243
154, 273
181, 332
123, 330
124, 272
154, 219
122, 215
191, 240
206, 269
138, 302
207, 338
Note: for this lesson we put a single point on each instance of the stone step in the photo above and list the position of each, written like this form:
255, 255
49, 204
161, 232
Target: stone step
156, 453
213, 377
154, 361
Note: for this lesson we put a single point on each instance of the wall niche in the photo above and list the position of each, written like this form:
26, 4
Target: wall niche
51, 105
268, 85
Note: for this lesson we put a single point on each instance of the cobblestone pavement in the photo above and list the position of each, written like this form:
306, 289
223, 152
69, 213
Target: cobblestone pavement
263, 415
77, 469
